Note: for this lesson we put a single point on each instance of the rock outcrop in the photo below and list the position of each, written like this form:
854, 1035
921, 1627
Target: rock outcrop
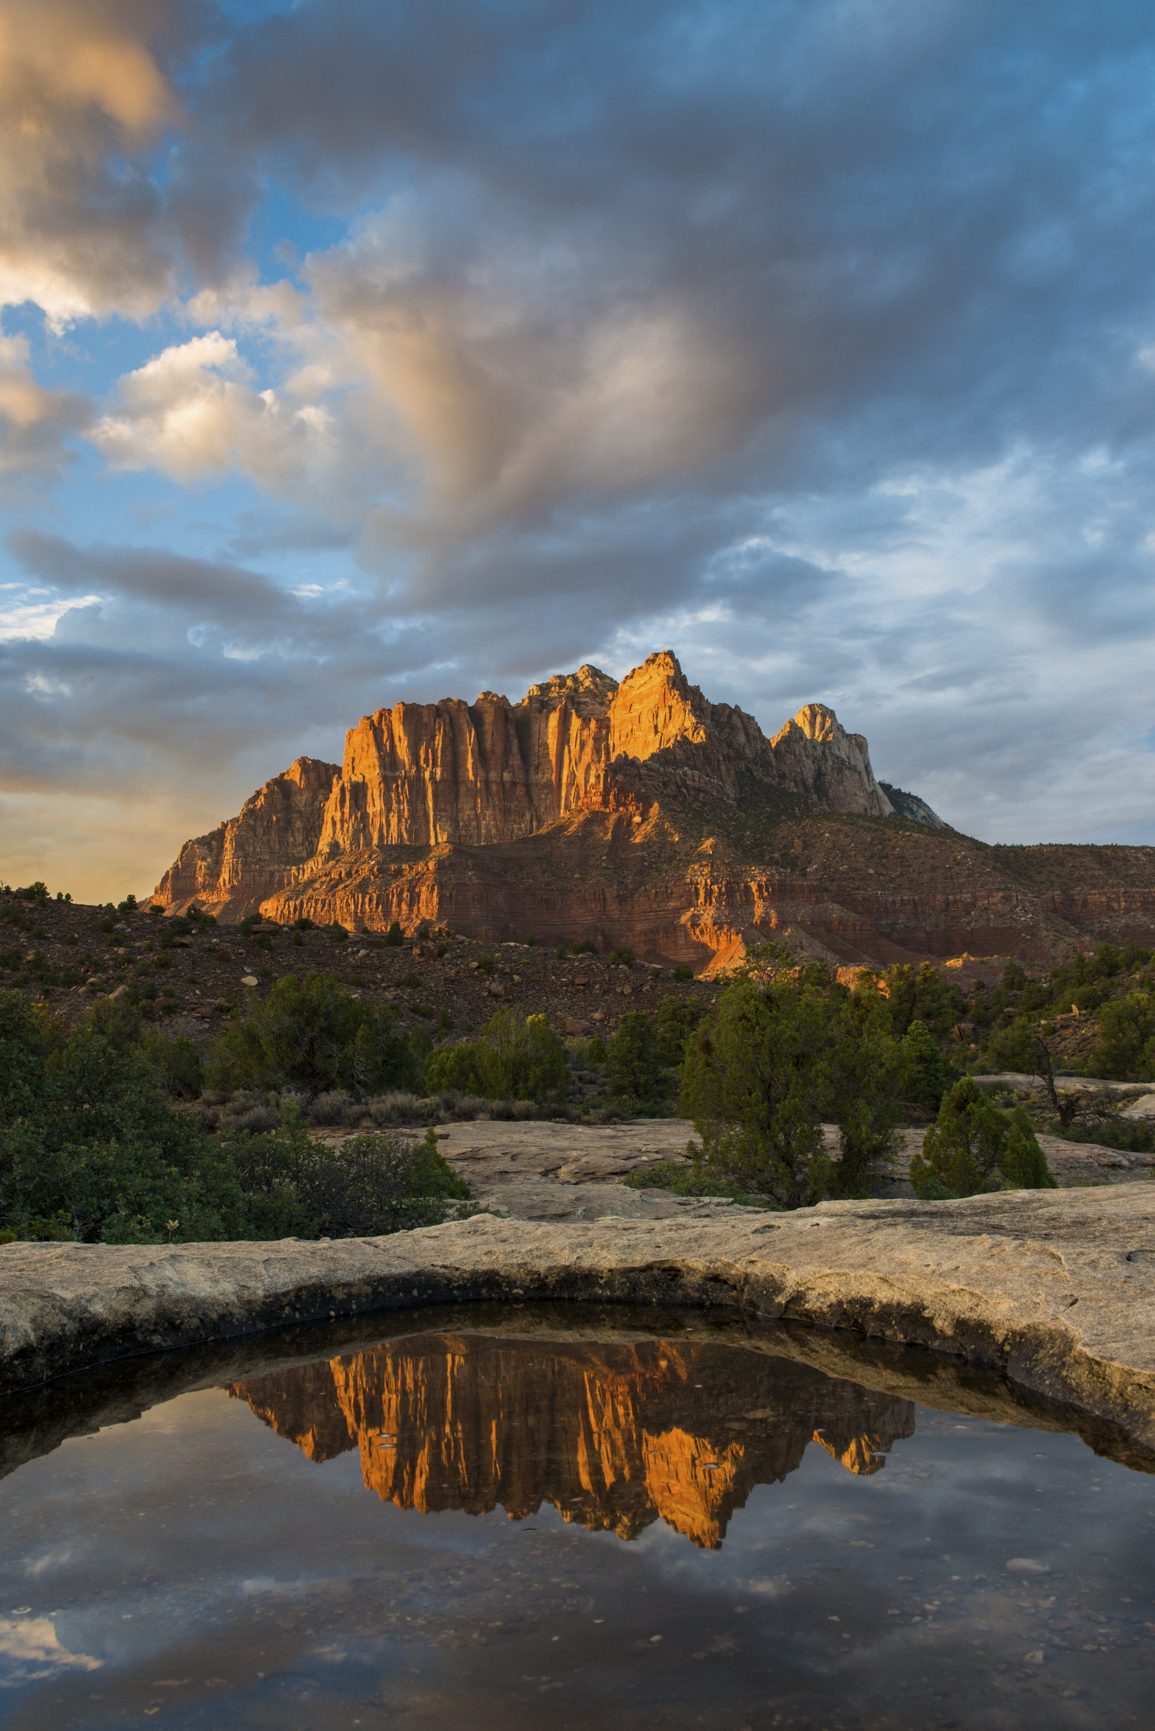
644, 814
257, 852
456, 775
1052, 1288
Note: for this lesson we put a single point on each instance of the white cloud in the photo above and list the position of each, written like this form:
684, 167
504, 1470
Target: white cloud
191, 410
34, 1651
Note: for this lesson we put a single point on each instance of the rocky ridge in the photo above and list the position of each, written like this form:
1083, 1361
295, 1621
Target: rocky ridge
642, 814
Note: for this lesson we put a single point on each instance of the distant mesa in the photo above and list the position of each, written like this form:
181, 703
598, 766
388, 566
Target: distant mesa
615, 1437
637, 813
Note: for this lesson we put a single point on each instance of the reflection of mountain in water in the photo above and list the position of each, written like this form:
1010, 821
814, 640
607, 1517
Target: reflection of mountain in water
613, 1435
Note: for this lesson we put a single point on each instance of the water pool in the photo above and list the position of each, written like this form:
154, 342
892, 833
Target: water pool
495, 1520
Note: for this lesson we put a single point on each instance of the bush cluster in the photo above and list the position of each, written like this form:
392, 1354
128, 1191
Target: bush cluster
789, 1048
92, 1148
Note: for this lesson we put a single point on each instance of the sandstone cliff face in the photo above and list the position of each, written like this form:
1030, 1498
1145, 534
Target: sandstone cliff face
479, 775
616, 1437
255, 854
828, 765
643, 814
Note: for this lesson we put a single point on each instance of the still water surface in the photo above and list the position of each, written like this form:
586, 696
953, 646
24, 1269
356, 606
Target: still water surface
482, 1529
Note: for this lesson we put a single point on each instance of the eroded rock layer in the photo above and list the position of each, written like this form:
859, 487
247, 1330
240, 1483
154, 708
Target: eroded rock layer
614, 1436
643, 814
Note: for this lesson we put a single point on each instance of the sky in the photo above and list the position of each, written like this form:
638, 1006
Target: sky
361, 350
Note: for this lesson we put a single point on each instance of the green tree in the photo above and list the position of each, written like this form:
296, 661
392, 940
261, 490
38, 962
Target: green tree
1022, 1163
929, 1073
675, 1022
864, 1078
975, 1148
923, 996
510, 1060
751, 1083
1126, 1048
634, 1060
960, 1152
314, 1035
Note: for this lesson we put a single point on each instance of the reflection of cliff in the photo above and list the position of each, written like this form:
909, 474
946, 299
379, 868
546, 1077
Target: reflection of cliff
613, 1435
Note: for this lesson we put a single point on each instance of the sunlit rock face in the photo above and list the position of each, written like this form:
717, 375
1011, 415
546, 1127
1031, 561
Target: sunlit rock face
451, 776
614, 1436
275, 833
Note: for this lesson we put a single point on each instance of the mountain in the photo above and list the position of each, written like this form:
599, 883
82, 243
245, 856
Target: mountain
643, 814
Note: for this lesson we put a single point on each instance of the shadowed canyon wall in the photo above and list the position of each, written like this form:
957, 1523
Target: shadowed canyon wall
614, 1436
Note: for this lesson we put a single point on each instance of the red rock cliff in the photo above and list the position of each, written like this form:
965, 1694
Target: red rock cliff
490, 773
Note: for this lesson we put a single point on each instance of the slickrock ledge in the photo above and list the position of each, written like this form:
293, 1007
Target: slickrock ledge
1053, 1288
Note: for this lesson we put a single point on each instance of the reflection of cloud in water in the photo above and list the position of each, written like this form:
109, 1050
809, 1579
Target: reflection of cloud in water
30, 1649
614, 1436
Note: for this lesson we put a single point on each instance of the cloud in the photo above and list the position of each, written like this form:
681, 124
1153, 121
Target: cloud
34, 1651
83, 99
34, 423
814, 341
190, 410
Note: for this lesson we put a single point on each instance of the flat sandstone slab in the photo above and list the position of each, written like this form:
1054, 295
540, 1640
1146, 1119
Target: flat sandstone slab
1053, 1287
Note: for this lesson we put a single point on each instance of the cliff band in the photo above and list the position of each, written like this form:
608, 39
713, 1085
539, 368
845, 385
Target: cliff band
641, 813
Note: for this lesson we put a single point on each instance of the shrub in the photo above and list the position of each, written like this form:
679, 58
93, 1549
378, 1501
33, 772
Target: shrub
368, 1186
176, 1061
412, 980
303, 924
394, 937
596, 1051
621, 958
312, 1034
330, 1108
1126, 1048
633, 1058
485, 964
583, 947
683, 971
512, 1060
1129, 1135
685, 1181
127, 906
560, 954
90, 1147
973, 1147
